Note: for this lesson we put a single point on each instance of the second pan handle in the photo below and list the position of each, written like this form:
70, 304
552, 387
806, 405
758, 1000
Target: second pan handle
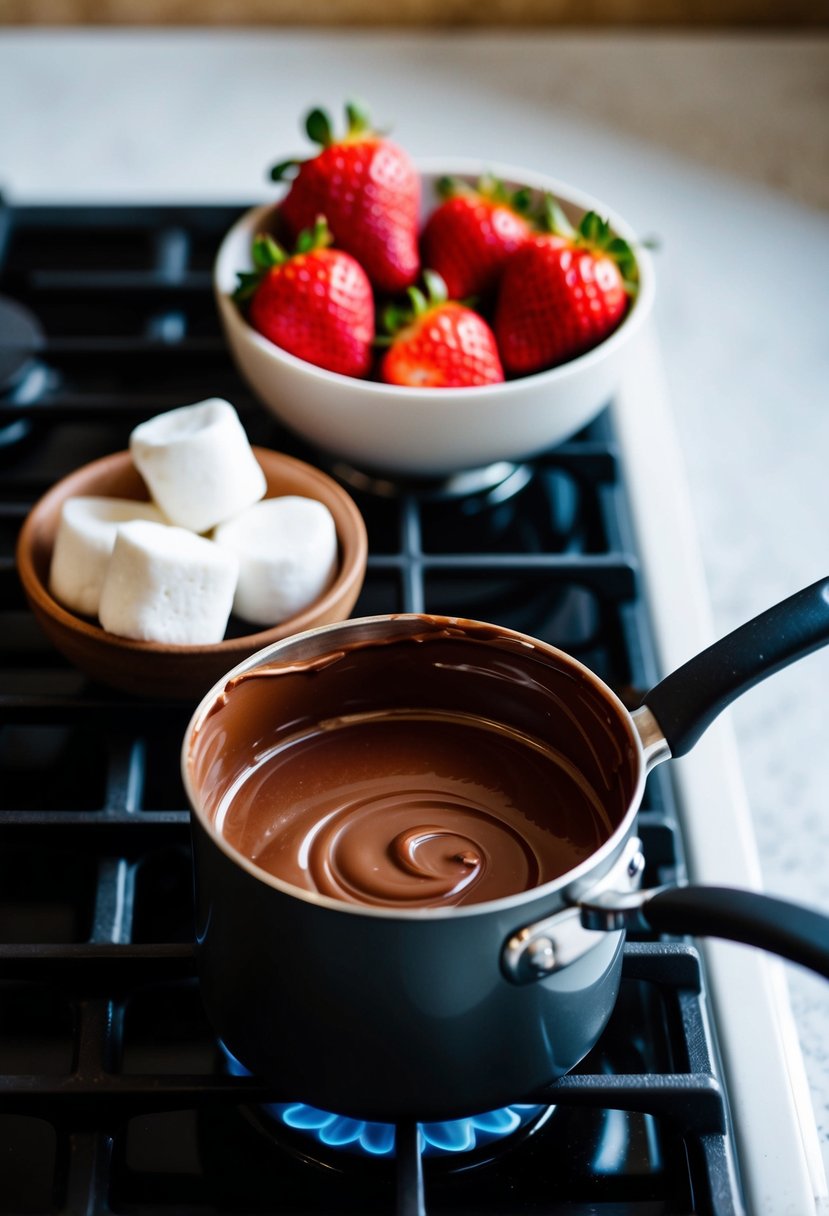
686, 702
790, 930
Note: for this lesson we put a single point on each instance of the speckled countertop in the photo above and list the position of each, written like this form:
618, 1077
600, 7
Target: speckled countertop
714, 144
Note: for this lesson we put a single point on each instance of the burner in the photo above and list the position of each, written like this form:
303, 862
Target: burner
20, 338
450, 1138
22, 377
378, 1139
497, 482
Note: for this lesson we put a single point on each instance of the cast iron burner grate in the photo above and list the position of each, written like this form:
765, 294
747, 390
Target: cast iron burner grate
113, 1097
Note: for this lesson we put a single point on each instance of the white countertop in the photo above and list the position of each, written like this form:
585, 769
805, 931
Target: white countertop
742, 272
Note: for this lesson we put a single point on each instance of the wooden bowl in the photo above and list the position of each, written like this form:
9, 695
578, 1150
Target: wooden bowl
161, 670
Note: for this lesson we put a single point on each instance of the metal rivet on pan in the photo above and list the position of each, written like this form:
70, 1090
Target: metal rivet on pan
541, 955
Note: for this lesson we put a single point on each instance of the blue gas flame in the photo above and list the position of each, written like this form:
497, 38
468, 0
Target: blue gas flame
377, 1139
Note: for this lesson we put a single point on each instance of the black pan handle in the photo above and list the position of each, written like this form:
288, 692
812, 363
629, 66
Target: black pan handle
790, 930
686, 702
776, 925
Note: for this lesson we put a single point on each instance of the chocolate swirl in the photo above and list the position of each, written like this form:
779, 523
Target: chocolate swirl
413, 809
385, 851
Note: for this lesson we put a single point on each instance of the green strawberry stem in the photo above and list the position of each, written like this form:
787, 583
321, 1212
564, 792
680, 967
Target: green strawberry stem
595, 234
266, 253
489, 187
554, 220
357, 117
320, 130
493, 188
285, 170
314, 238
435, 294
396, 317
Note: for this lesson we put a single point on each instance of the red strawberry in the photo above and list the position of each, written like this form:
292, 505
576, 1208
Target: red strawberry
469, 236
439, 343
368, 190
317, 304
562, 294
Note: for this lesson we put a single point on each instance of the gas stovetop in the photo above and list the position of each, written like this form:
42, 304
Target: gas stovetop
114, 1094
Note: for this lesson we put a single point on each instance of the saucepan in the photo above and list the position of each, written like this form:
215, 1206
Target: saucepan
443, 1011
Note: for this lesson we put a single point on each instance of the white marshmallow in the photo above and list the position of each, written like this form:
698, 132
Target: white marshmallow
83, 543
287, 551
198, 464
164, 584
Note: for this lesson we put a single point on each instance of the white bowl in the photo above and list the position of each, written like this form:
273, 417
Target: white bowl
414, 432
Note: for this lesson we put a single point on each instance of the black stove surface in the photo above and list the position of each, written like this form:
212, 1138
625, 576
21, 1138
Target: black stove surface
114, 1095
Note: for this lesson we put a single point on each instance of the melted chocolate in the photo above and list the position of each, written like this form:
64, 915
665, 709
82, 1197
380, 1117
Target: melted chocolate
454, 766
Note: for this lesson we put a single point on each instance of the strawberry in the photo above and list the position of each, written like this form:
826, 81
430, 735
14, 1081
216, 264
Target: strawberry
317, 304
468, 237
368, 190
439, 343
562, 293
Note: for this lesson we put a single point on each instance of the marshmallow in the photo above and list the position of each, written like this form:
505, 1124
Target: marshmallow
163, 584
198, 464
287, 551
83, 543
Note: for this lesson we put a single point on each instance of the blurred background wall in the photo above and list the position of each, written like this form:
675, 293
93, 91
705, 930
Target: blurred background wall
761, 14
